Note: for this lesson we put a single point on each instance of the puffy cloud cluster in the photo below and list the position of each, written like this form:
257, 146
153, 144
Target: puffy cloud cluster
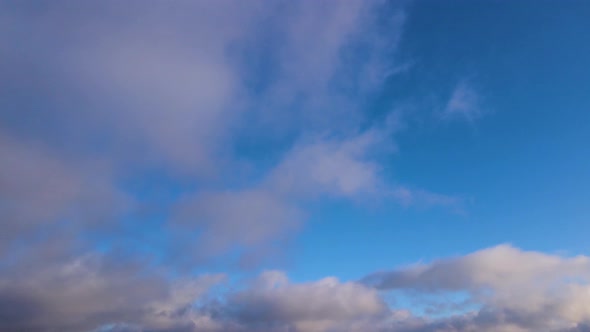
507, 289
273, 304
515, 290
93, 290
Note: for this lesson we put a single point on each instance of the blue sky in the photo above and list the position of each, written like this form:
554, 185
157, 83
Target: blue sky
302, 166
522, 167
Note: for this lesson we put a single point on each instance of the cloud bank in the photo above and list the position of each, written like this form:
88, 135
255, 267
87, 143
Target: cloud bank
507, 289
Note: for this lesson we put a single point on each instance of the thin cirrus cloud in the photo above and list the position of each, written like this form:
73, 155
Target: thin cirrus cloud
464, 103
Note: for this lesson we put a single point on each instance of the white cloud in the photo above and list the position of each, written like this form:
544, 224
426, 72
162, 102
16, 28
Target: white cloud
516, 290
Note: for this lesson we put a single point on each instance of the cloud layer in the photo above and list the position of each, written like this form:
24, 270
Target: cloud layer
192, 93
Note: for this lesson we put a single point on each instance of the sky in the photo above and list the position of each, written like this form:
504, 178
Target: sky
295, 166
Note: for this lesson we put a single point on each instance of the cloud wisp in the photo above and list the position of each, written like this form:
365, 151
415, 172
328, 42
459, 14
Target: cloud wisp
464, 104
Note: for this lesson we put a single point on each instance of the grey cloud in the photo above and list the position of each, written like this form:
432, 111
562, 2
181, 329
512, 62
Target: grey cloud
92, 290
40, 188
512, 290
150, 83
246, 219
168, 87
95, 293
503, 265
516, 290
167, 83
272, 303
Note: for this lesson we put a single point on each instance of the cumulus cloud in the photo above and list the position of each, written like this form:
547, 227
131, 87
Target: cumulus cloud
273, 303
516, 290
92, 290
508, 290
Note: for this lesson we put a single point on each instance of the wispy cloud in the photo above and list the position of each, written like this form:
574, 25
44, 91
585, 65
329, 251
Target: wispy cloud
465, 103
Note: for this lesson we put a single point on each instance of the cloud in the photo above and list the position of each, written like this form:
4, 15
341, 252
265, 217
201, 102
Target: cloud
509, 290
333, 167
341, 167
236, 219
465, 104
41, 188
272, 303
265, 214
516, 290
101, 293
411, 196
93, 290
319, 84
